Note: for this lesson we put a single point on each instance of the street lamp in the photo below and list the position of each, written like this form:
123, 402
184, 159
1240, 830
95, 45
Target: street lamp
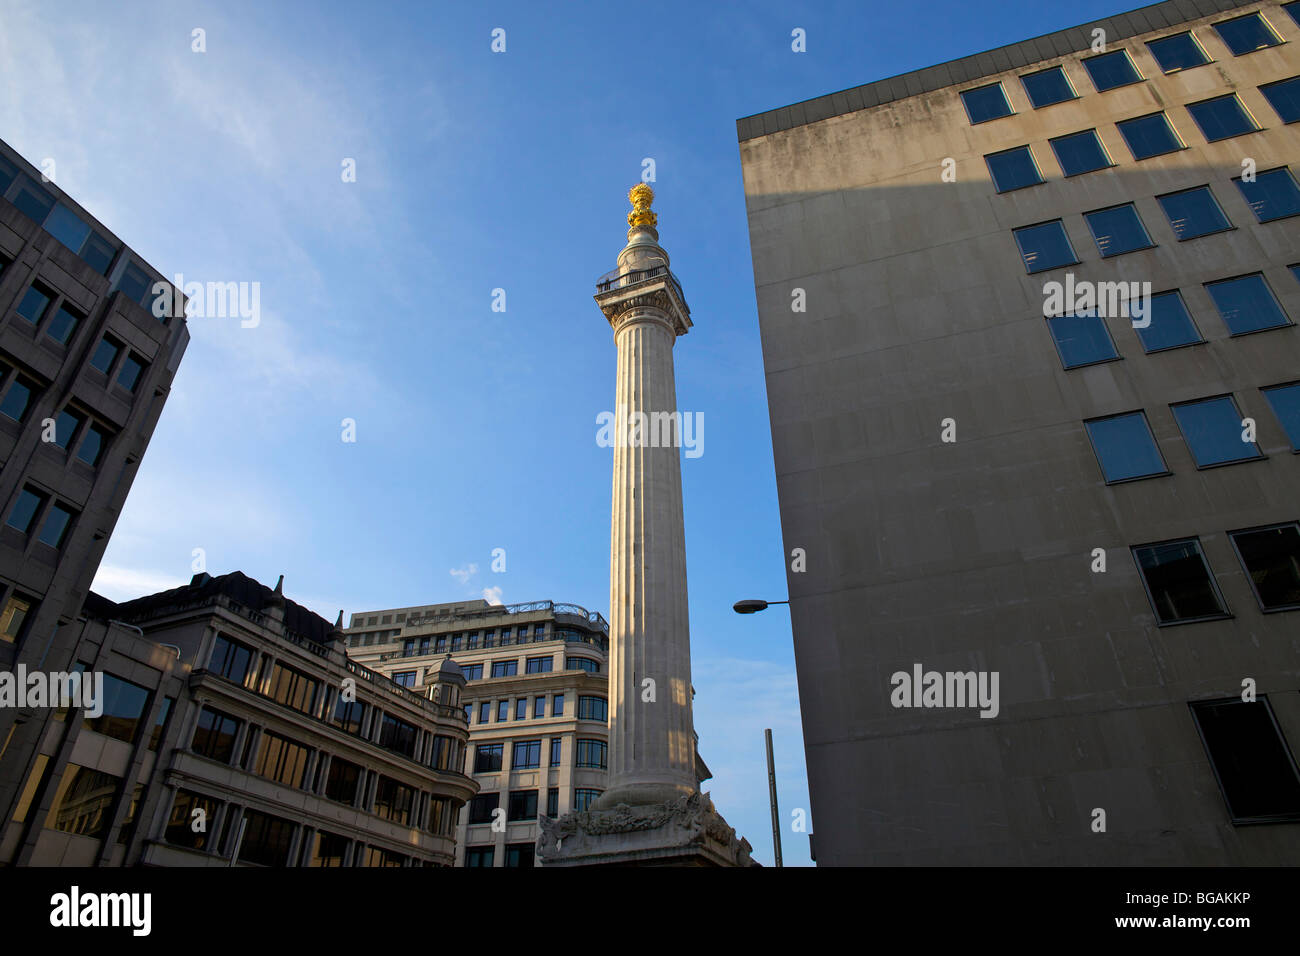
753, 607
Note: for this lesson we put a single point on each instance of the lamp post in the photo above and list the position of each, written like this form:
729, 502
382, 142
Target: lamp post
753, 607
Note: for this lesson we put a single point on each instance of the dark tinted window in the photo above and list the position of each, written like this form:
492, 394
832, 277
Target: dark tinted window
1111, 70
1285, 402
1013, 169
65, 426
55, 527
526, 754
16, 399
1178, 581
487, 758
214, 735
1047, 87
1284, 97
1251, 760
1178, 52
1125, 448
129, 375
1080, 152
522, 806
266, 840
1045, 246
986, 103
1213, 431
1246, 304
230, 659
1246, 34
66, 226
1117, 230
1273, 194
1148, 136
62, 325
341, 781
1221, 117
92, 445
24, 510
397, 735
1193, 212
481, 807
32, 305
123, 707
1170, 324
105, 353
1271, 556
33, 201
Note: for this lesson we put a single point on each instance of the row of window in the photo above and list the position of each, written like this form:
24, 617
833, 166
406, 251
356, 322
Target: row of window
1115, 68
1191, 212
590, 753
1212, 428
442, 643
285, 761
93, 248
521, 805
1182, 587
589, 708
34, 509
517, 855
74, 430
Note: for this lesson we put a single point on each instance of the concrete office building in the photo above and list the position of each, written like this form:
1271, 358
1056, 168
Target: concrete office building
85, 368
236, 731
990, 474
537, 699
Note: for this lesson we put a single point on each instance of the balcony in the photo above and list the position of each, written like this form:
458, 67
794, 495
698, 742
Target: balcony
617, 280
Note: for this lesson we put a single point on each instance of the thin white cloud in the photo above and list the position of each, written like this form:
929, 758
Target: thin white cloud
463, 575
492, 595
124, 584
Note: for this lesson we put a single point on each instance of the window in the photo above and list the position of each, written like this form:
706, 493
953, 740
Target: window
84, 801
482, 807
479, 856
441, 752
1273, 194
1081, 339
129, 374
33, 304
1111, 70
441, 816
505, 668
487, 758
503, 711
7, 174
341, 781
593, 708
1285, 402
281, 760
63, 324
393, 800
123, 709
553, 802
160, 722
591, 753
1047, 87
266, 839
1148, 136
1170, 324
1222, 117
1080, 152
1193, 213
1271, 557
397, 736
557, 744
379, 857
230, 659
1125, 448
582, 664
484, 711
557, 705
1117, 230
1294, 10
1246, 304
1178, 52
1013, 169
15, 613
104, 356
17, 400
327, 849
526, 755
1250, 758
182, 820
1213, 431
25, 508
522, 805
92, 445
472, 671
539, 665
520, 855
1246, 34
539, 707
33, 201
292, 689
1178, 582
408, 647
583, 798
214, 736
65, 426
521, 708
55, 528
1284, 97
404, 678
986, 103
348, 714
1045, 246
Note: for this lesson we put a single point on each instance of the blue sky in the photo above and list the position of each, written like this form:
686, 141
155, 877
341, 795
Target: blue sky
474, 171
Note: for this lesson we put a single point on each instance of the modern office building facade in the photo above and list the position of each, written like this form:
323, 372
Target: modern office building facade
85, 368
992, 475
537, 698
235, 731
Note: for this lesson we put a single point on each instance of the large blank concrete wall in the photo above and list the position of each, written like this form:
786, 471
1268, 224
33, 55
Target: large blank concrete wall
975, 555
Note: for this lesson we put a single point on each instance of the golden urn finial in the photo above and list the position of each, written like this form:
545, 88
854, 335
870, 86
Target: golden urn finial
641, 196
